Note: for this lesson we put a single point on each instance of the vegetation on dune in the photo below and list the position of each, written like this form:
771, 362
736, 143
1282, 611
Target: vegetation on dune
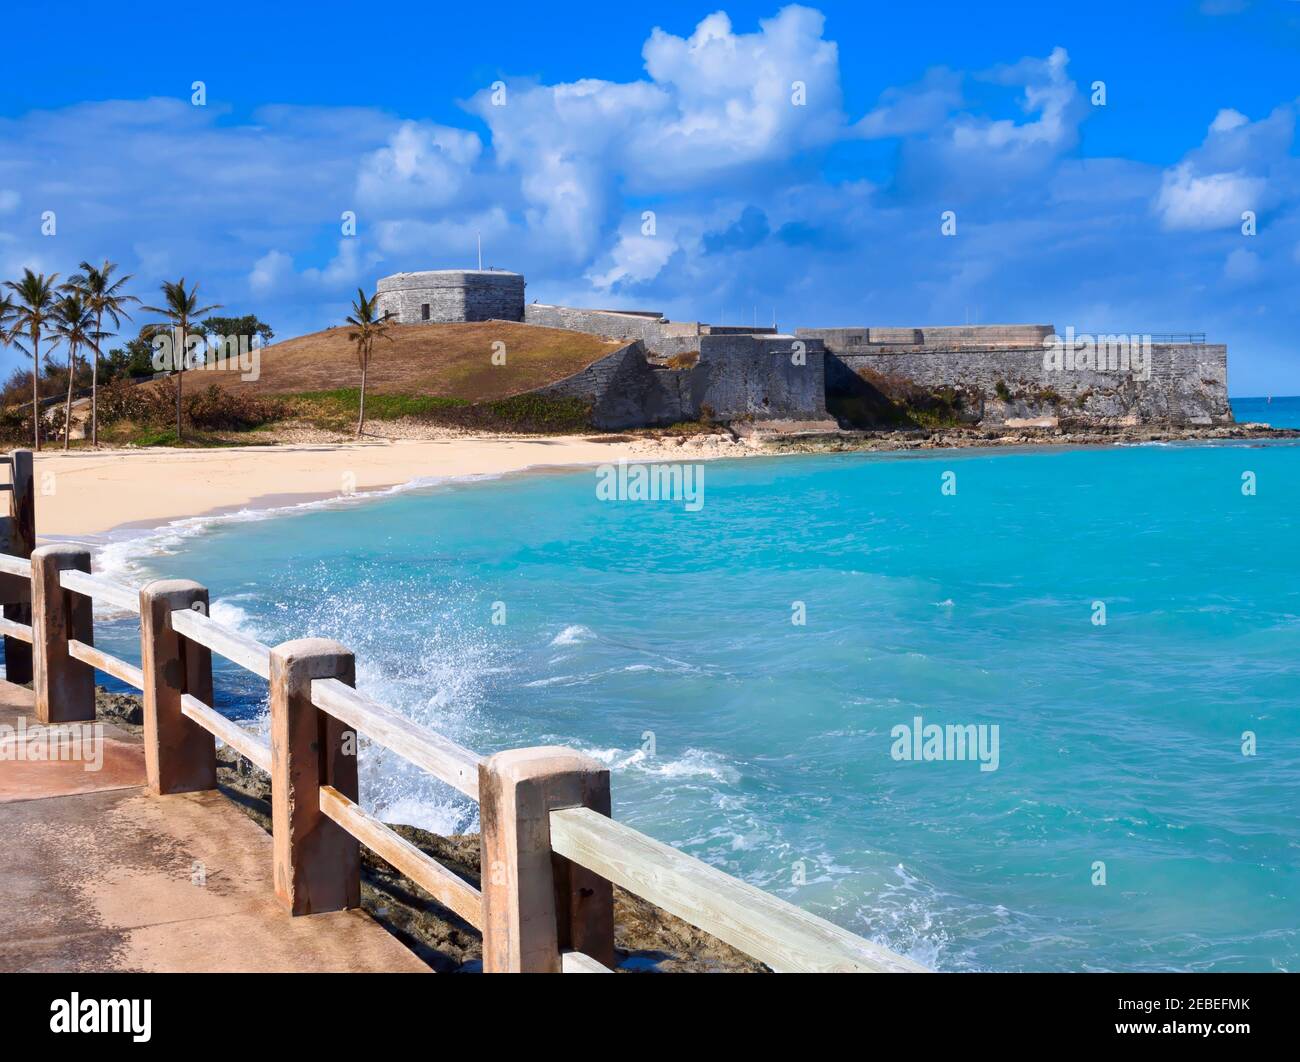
528, 413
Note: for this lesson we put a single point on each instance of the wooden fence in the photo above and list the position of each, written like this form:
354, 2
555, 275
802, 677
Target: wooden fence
550, 849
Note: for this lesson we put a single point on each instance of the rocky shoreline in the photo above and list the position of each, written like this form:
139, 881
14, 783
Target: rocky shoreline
813, 441
647, 939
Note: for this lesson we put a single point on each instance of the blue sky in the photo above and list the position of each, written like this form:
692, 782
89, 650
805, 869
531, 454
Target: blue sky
1123, 217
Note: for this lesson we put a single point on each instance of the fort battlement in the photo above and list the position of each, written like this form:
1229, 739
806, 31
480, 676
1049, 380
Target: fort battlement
997, 375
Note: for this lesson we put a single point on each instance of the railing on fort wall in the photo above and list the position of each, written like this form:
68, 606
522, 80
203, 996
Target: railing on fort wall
1154, 337
550, 852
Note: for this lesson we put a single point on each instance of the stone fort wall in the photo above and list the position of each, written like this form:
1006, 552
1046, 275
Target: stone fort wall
736, 378
1186, 384
998, 370
660, 336
446, 295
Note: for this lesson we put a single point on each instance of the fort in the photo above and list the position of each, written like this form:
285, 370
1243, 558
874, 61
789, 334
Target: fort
444, 295
997, 375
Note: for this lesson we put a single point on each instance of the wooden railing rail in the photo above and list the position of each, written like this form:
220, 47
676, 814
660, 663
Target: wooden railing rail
550, 852
248, 745
110, 665
19, 631
19, 566
440, 756
101, 588
452, 892
235, 646
784, 936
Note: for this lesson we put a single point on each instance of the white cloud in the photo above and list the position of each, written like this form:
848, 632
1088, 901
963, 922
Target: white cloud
973, 157
634, 259
270, 271
1227, 119
716, 101
452, 240
1241, 165
422, 165
1187, 201
1048, 93
915, 109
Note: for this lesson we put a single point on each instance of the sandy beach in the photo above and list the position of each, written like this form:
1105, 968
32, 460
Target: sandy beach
91, 492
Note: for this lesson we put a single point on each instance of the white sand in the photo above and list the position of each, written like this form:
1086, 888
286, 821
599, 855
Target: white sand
86, 492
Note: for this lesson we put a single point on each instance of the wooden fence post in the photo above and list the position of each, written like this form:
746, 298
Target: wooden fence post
64, 687
179, 755
22, 540
317, 862
536, 904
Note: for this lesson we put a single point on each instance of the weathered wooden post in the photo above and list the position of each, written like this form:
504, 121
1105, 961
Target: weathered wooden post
536, 904
317, 862
22, 540
179, 755
64, 687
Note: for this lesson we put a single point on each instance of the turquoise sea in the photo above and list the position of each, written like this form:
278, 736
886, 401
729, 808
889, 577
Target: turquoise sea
663, 641
1278, 412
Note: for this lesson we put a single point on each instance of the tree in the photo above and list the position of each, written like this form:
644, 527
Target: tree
8, 314
248, 325
131, 360
35, 293
75, 325
366, 329
104, 298
181, 308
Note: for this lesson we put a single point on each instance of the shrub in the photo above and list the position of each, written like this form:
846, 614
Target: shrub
122, 400
16, 425
212, 409
217, 409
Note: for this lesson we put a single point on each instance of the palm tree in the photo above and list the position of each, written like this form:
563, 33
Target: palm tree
7, 313
75, 325
104, 298
35, 307
180, 308
367, 327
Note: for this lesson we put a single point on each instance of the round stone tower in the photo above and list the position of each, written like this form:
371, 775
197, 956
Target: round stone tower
452, 295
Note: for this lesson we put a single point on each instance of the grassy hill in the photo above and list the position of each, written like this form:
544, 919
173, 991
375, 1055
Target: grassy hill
451, 361
435, 373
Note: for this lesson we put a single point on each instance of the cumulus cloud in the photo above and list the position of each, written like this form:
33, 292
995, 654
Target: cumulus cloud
270, 271
915, 109
715, 102
1241, 165
422, 165
1189, 201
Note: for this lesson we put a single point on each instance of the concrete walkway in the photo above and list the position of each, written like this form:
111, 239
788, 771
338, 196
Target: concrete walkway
96, 874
